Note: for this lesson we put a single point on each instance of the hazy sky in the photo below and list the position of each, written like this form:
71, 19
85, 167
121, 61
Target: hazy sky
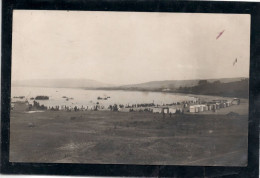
129, 47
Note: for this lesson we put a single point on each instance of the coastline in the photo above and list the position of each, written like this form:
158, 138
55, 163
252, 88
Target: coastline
107, 137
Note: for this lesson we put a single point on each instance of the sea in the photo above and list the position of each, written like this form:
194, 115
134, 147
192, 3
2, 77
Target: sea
82, 97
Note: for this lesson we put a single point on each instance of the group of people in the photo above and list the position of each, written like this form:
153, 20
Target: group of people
141, 110
37, 106
72, 108
143, 107
140, 105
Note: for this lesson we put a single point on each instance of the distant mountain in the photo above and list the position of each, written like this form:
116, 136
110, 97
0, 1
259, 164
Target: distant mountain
173, 84
61, 83
167, 85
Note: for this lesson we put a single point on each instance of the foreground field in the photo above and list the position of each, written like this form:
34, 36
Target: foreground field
128, 138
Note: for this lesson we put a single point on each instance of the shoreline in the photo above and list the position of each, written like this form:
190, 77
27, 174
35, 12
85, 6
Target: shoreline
134, 90
168, 92
241, 109
182, 107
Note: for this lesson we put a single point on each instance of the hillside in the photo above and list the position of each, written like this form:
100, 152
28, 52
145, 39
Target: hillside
231, 89
174, 84
61, 83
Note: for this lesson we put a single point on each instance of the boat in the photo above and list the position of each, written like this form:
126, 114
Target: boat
41, 98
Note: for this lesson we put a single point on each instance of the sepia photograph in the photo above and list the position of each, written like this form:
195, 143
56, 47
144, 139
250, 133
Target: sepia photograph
142, 88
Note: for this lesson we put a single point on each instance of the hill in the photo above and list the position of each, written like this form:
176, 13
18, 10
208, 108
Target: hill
230, 89
174, 84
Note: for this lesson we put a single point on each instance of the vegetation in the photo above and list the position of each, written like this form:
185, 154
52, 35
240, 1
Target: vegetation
232, 89
204, 87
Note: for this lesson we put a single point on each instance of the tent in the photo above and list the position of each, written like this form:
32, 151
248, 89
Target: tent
192, 109
157, 110
197, 108
172, 110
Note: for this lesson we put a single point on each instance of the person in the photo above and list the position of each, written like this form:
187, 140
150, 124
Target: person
170, 114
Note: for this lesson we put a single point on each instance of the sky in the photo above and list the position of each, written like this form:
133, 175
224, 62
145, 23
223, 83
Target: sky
129, 47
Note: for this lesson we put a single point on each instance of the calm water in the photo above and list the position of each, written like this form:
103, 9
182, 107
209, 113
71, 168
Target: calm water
89, 97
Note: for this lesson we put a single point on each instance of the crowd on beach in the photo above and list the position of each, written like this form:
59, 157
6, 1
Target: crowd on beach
142, 107
191, 106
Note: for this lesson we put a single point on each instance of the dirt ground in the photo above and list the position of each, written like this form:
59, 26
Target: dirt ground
129, 138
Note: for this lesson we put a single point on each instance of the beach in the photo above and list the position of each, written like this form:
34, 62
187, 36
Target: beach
106, 137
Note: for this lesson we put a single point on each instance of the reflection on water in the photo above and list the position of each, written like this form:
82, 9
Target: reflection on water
89, 97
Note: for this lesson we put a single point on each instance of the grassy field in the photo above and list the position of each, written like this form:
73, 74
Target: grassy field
129, 138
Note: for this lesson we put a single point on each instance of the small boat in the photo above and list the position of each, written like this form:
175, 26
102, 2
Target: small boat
41, 97
20, 97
